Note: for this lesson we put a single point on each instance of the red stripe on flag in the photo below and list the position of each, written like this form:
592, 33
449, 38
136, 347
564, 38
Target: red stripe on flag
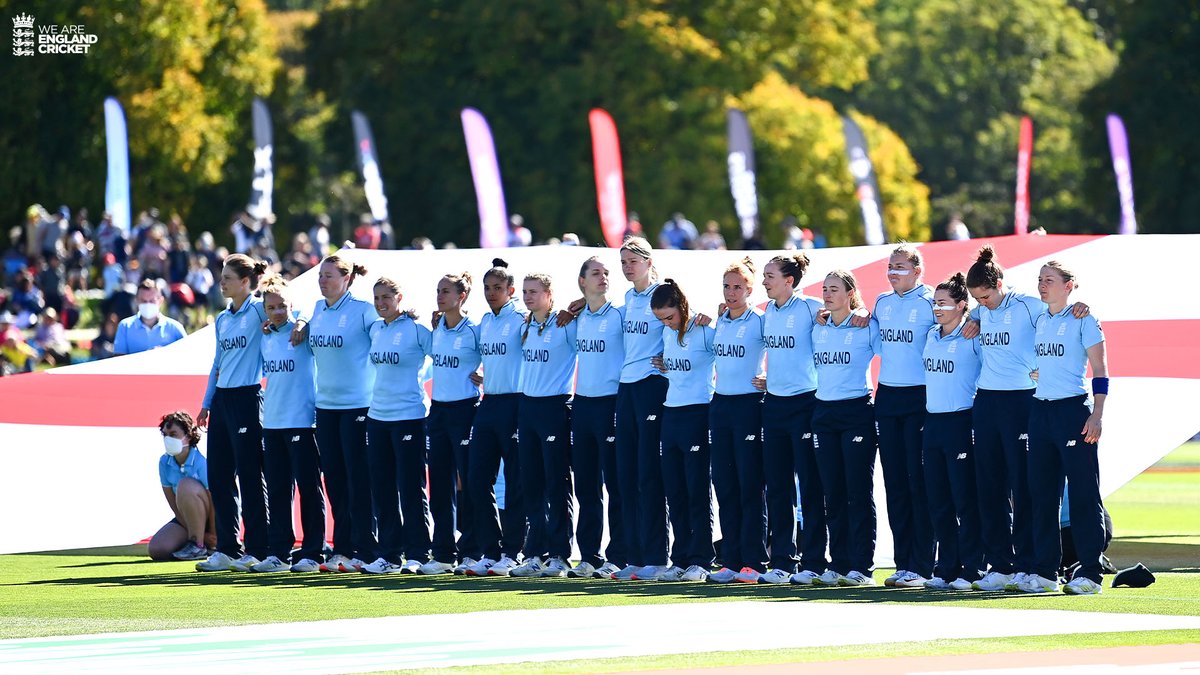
944, 258
1152, 348
97, 400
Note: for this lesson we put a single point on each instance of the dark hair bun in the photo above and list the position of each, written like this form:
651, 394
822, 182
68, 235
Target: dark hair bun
499, 262
260, 268
748, 264
986, 254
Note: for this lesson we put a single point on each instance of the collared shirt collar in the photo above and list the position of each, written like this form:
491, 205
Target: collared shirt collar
795, 298
325, 307
603, 308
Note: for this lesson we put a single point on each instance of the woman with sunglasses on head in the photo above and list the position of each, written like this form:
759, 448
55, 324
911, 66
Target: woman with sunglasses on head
544, 431
735, 425
844, 423
499, 533
951, 374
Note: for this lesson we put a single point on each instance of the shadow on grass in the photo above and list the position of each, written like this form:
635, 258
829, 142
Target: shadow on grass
1158, 556
566, 587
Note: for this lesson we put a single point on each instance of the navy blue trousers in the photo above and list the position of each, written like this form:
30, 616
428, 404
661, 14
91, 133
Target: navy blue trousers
494, 437
953, 504
449, 430
788, 455
291, 460
396, 451
687, 480
594, 463
235, 449
342, 438
899, 417
735, 427
1057, 451
846, 457
1001, 424
545, 449
639, 465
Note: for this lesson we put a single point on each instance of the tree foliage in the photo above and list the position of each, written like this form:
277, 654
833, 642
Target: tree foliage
1156, 91
953, 79
185, 74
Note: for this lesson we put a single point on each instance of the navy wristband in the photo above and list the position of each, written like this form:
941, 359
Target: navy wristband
1100, 385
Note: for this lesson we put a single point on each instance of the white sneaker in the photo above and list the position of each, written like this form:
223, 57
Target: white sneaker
555, 567
436, 567
804, 578
606, 571
306, 565
411, 567
992, 581
334, 563
503, 567
1081, 586
748, 575
855, 578
774, 576
827, 578
648, 573
353, 565
1014, 584
217, 562
382, 566
480, 569
723, 576
461, 568
583, 570
695, 573
244, 563
910, 580
891, 581
960, 584
627, 573
271, 564
532, 567
938, 584
1037, 584
670, 573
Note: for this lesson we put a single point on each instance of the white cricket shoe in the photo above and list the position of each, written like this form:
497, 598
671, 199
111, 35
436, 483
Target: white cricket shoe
748, 575
1035, 583
891, 580
1014, 584
583, 570
856, 578
244, 563
306, 565
960, 584
461, 568
555, 567
381, 566
695, 573
938, 584
606, 571
910, 580
532, 567
271, 564
436, 567
503, 567
217, 562
774, 576
1081, 586
804, 578
992, 581
723, 576
480, 569
827, 578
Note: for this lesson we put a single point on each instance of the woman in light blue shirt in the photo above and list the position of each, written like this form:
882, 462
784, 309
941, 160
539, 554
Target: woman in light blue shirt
951, 365
1064, 429
183, 473
844, 423
791, 385
601, 348
735, 425
289, 440
340, 338
905, 315
396, 434
455, 355
234, 402
499, 533
688, 363
544, 431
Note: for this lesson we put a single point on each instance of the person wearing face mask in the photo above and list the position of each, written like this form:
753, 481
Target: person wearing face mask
149, 328
183, 473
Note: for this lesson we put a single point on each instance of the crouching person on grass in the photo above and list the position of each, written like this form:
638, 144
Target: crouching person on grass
183, 472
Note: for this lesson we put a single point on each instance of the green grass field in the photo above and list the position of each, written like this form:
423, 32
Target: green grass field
1156, 516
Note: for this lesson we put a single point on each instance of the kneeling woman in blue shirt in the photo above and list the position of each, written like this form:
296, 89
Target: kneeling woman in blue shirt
844, 422
1064, 428
544, 429
688, 363
183, 472
952, 367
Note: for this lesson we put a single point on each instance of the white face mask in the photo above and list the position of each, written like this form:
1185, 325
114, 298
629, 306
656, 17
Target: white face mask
148, 310
172, 446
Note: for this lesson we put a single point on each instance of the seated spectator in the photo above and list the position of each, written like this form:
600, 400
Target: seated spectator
183, 473
148, 329
711, 240
26, 300
102, 344
678, 233
16, 356
51, 338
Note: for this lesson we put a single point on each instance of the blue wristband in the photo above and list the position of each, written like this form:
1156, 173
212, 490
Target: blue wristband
1100, 385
